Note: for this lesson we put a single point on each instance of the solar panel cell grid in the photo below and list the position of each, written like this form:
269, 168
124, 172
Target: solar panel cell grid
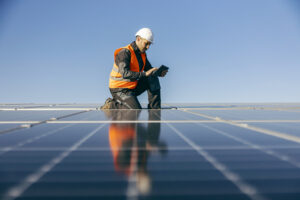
193, 152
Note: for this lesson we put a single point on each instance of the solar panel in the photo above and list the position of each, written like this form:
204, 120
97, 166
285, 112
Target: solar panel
197, 151
4, 127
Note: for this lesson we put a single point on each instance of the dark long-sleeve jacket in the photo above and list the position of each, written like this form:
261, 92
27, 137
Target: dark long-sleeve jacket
122, 60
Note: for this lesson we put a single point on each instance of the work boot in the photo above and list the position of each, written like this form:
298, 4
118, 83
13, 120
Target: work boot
109, 104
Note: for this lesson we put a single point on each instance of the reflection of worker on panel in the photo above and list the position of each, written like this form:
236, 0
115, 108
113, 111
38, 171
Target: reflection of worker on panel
131, 144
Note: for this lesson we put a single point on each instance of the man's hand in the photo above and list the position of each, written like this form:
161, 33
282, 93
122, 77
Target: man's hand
150, 71
163, 73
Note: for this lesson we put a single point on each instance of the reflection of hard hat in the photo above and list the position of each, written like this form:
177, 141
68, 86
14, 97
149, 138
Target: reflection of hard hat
143, 183
145, 33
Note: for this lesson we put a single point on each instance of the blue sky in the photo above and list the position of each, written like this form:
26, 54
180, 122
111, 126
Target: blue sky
61, 51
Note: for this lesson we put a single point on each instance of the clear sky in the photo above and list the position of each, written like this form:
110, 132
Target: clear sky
61, 51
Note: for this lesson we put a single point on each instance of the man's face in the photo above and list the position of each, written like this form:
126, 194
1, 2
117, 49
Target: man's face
142, 44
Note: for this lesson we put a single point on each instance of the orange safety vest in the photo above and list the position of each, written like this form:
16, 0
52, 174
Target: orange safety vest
116, 80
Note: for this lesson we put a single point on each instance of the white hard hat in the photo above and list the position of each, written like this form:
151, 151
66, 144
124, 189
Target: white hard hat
145, 33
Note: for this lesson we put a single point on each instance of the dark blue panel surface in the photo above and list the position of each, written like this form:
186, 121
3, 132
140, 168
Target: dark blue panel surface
126, 157
8, 126
33, 115
283, 127
251, 114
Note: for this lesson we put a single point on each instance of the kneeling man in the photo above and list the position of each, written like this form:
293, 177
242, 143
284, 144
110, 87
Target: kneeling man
132, 74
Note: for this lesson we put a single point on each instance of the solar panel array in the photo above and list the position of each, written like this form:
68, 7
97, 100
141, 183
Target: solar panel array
187, 151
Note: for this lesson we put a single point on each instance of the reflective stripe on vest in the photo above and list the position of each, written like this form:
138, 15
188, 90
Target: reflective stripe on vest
116, 80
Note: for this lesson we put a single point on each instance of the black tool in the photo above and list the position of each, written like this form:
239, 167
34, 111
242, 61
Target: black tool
160, 70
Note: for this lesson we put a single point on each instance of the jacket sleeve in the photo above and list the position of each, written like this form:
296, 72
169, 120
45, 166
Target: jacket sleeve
123, 61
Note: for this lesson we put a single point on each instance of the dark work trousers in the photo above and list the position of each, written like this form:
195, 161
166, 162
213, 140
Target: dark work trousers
127, 98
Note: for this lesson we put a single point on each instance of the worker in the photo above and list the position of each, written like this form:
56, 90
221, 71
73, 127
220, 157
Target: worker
132, 74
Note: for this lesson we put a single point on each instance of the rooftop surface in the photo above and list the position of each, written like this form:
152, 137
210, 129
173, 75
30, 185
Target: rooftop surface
185, 151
